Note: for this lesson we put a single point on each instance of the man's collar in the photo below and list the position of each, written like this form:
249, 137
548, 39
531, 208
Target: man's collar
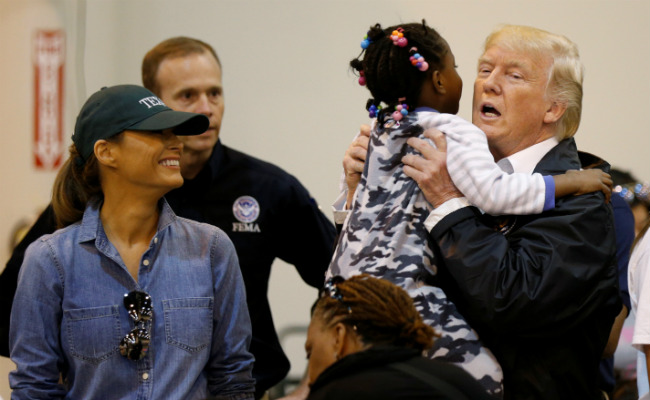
526, 159
216, 158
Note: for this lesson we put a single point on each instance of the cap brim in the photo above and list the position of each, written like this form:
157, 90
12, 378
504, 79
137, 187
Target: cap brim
181, 123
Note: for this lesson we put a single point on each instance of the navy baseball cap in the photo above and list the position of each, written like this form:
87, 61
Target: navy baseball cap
115, 109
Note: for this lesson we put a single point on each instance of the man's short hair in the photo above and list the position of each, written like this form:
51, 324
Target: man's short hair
566, 74
179, 46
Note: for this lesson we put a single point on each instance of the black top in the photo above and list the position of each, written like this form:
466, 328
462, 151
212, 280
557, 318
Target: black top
374, 374
547, 292
266, 213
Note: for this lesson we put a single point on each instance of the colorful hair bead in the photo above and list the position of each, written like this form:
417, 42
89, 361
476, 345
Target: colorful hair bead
398, 38
365, 42
373, 111
401, 111
417, 60
362, 78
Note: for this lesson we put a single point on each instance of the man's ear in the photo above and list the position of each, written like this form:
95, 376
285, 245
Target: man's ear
104, 152
438, 82
555, 112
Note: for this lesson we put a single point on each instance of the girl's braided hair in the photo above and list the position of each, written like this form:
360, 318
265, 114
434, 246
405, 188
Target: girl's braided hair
387, 70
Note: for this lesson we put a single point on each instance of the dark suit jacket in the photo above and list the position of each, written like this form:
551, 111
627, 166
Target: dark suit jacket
541, 290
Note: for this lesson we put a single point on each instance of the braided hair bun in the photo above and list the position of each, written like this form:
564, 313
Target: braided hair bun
380, 312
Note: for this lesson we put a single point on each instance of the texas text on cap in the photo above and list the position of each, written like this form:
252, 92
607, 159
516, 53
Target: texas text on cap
129, 107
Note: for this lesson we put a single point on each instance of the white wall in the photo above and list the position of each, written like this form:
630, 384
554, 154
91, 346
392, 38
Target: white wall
290, 96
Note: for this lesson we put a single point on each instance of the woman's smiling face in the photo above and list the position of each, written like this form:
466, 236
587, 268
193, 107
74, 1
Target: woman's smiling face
149, 159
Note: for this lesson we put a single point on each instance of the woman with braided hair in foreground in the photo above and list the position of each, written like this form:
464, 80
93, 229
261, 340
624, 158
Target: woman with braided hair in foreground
365, 341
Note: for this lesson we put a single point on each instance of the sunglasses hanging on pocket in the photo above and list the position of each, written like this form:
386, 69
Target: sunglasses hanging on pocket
135, 344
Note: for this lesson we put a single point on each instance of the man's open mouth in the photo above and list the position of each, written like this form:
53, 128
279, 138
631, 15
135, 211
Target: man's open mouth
489, 111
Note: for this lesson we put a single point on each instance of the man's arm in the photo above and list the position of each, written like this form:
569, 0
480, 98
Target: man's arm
306, 237
545, 272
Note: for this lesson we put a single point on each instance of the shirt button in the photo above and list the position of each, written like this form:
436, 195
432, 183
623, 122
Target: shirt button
155, 240
145, 262
145, 376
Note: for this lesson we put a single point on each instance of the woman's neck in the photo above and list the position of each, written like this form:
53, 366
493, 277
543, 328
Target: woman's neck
129, 220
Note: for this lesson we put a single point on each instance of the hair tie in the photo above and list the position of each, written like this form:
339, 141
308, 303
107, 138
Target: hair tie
78, 161
398, 37
417, 60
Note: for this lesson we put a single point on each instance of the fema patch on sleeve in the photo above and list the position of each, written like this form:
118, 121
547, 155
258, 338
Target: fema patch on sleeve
246, 209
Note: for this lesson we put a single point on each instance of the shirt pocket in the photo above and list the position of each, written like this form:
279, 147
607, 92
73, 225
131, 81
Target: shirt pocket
93, 333
188, 322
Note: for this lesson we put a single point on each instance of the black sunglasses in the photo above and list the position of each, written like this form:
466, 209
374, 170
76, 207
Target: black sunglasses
135, 344
331, 289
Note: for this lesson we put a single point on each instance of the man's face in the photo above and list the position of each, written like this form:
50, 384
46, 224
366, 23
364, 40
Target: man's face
193, 84
510, 103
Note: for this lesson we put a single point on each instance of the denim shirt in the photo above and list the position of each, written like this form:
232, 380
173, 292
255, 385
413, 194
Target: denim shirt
68, 316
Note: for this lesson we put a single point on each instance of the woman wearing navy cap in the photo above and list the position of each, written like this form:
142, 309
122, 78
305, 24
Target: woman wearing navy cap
129, 301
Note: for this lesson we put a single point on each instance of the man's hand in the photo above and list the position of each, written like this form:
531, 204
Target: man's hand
430, 169
354, 160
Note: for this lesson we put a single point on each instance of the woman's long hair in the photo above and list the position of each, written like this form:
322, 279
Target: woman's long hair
76, 183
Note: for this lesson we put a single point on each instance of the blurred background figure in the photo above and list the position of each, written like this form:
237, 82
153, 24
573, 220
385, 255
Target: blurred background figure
635, 193
639, 282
